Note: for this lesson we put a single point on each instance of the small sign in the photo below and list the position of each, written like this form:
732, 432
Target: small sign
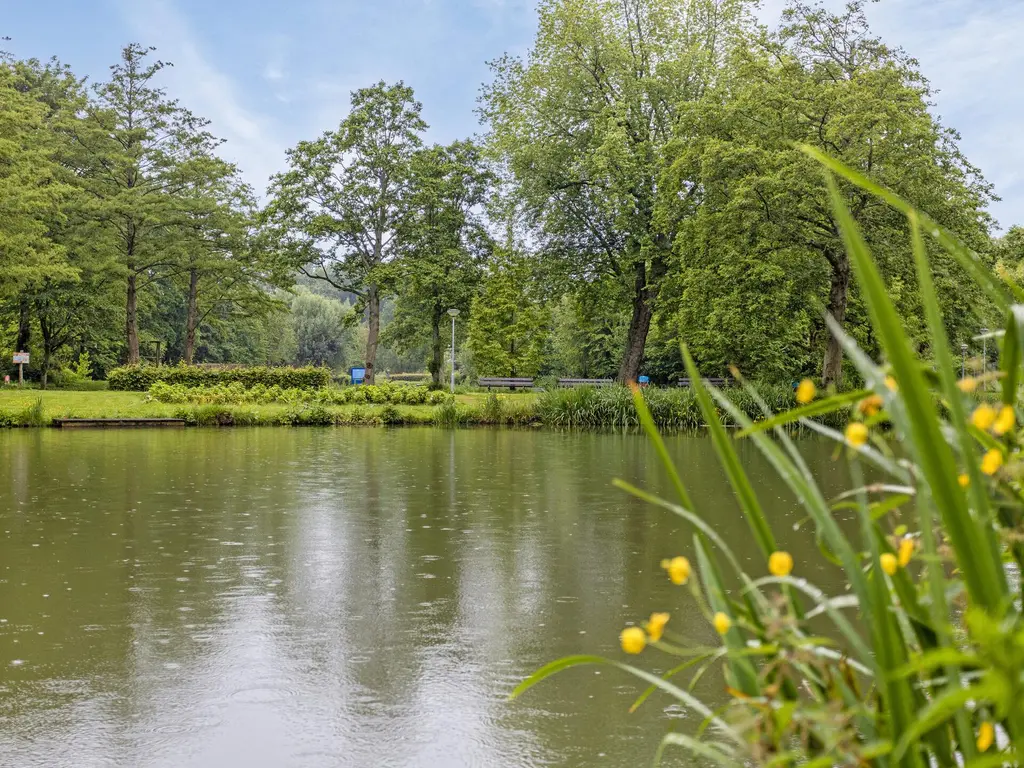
357, 375
643, 381
21, 358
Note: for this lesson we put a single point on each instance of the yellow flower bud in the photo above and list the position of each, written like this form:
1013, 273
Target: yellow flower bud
968, 384
1005, 421
986, 735
984, 416
780, 564
722, 623
656, 626
857, 434
888, 562
805, 392
678, 569
891, 384
905, 551
992, 461
870, 405
633, 640
964, 480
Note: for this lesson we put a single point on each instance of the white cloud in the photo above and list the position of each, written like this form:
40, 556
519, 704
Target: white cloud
201, 87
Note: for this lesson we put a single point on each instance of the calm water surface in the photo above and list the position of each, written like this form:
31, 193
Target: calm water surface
342, 597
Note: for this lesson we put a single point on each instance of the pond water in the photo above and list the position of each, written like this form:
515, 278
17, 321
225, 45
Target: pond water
344, 597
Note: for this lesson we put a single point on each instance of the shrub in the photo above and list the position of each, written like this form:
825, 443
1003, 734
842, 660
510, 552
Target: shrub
139, 378
933, 674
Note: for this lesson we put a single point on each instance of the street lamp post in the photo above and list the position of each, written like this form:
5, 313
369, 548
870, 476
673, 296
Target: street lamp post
453, 313
984, 356
963, 361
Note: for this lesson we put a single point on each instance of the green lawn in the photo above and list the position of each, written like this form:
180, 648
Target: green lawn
16, 408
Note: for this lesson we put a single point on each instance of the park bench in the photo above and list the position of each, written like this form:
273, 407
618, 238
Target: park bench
506, 383
713, 382
585, 382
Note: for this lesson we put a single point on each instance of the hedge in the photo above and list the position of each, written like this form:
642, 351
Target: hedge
139, 378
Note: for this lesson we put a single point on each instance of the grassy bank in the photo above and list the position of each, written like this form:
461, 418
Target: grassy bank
571, 408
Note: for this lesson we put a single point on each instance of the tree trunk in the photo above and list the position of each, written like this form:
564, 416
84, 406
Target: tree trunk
832, 369
191, 316
24, 325
132, 320
639, 325
373, 319
45, 331
435, 349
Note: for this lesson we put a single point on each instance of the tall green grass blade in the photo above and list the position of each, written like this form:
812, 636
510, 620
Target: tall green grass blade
986, 584
1013, 353
742, 670
738, 479
697, 748
818, 407
647, 422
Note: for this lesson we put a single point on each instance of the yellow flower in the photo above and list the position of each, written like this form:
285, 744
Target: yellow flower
984, 416
780, 564
888, 562
857, 434
722, 623
992, 461
805, 392
964, 480
986, 735
905, 551
633, 640
870, 405
678, 569
1005, 421
968, 384
891, 384
656, 626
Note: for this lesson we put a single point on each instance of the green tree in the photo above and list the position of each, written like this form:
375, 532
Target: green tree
444, 246
321, 328
229, 267
584, 122
763, 249
508, 324
140, 154
339, 208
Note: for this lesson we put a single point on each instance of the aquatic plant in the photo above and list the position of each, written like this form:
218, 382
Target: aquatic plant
921, 661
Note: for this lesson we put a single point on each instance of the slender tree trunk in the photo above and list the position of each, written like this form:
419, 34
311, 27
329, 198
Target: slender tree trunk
131, 319
640, 322
839, 290
24, 325
435, 348
44, 330
191, 316
373, 318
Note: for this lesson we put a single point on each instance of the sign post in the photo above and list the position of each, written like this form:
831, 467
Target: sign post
357, 375
21, 360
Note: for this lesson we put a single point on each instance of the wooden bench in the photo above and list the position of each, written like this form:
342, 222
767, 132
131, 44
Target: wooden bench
713, 382
585, 382
506, 383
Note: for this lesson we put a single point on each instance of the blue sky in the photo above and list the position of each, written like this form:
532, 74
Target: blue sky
269, 74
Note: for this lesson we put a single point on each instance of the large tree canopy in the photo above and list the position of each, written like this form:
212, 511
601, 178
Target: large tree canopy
340, 207
584, 123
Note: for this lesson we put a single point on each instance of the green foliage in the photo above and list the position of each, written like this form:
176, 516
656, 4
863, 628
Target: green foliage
238, 392
337, 212
444, 245
761, 251
321, 327
932, 676
507, 327
139, 378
